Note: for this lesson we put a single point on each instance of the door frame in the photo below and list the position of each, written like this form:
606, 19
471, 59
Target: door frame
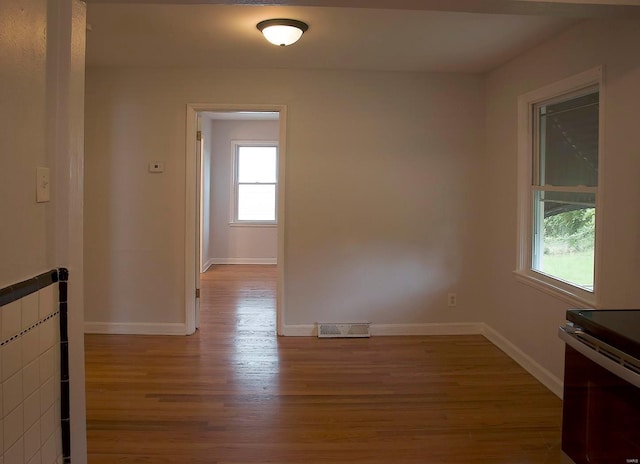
192, 264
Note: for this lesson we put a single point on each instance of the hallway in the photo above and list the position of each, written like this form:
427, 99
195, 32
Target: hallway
235, 393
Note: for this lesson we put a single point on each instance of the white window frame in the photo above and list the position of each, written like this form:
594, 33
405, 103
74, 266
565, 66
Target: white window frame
235, 146
524, 273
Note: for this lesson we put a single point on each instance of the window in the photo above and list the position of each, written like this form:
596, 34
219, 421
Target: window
255, 183
558, 204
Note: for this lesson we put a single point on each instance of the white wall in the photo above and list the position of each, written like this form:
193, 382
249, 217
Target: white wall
527, 317
205, 257
42, 60
27, 227
381, 198
236, 244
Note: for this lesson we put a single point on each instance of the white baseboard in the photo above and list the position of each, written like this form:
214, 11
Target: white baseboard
135, 328
242, 261
310, 330
472, 328
545, 377
304, 330
207, 265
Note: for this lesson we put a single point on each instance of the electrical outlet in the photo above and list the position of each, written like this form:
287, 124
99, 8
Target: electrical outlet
452, 299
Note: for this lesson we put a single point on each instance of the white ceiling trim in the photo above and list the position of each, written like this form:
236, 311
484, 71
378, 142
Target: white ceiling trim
628, 9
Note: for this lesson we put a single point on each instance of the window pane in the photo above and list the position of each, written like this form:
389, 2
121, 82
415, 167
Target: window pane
568, 141
564, 236
256, 202
257, 164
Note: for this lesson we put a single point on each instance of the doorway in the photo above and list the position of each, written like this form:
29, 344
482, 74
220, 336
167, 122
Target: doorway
233, 217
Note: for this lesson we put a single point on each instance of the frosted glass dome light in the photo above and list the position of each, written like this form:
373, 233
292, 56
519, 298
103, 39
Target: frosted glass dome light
282, 32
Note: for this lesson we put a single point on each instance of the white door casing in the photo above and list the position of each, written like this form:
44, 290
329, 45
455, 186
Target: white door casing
192, 207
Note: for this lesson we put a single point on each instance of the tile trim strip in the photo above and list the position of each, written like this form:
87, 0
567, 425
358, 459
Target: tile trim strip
65, 410
21, 289
30, 328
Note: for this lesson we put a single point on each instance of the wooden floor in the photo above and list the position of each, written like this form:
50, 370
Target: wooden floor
235, 393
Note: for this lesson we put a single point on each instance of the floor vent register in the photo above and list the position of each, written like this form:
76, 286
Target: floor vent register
343, 330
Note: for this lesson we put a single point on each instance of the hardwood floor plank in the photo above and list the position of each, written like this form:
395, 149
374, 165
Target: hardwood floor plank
235, 393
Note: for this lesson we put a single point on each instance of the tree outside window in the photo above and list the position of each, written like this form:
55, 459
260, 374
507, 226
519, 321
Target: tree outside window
564, 187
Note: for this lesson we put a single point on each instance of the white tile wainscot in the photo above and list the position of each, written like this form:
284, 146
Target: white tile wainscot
30, 430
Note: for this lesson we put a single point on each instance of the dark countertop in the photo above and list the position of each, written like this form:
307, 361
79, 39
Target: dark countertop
616, 327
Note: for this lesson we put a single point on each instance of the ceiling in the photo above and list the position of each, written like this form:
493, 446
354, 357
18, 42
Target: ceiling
225, 36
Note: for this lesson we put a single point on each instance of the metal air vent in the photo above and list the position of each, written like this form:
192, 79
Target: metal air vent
342, 330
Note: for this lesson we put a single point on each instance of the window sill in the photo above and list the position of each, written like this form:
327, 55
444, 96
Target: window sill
266, 225
574, 296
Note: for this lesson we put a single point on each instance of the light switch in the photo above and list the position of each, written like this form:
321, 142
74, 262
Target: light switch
156, 166
43, 185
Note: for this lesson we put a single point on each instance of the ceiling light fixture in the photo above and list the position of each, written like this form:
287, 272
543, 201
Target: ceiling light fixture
282, 32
